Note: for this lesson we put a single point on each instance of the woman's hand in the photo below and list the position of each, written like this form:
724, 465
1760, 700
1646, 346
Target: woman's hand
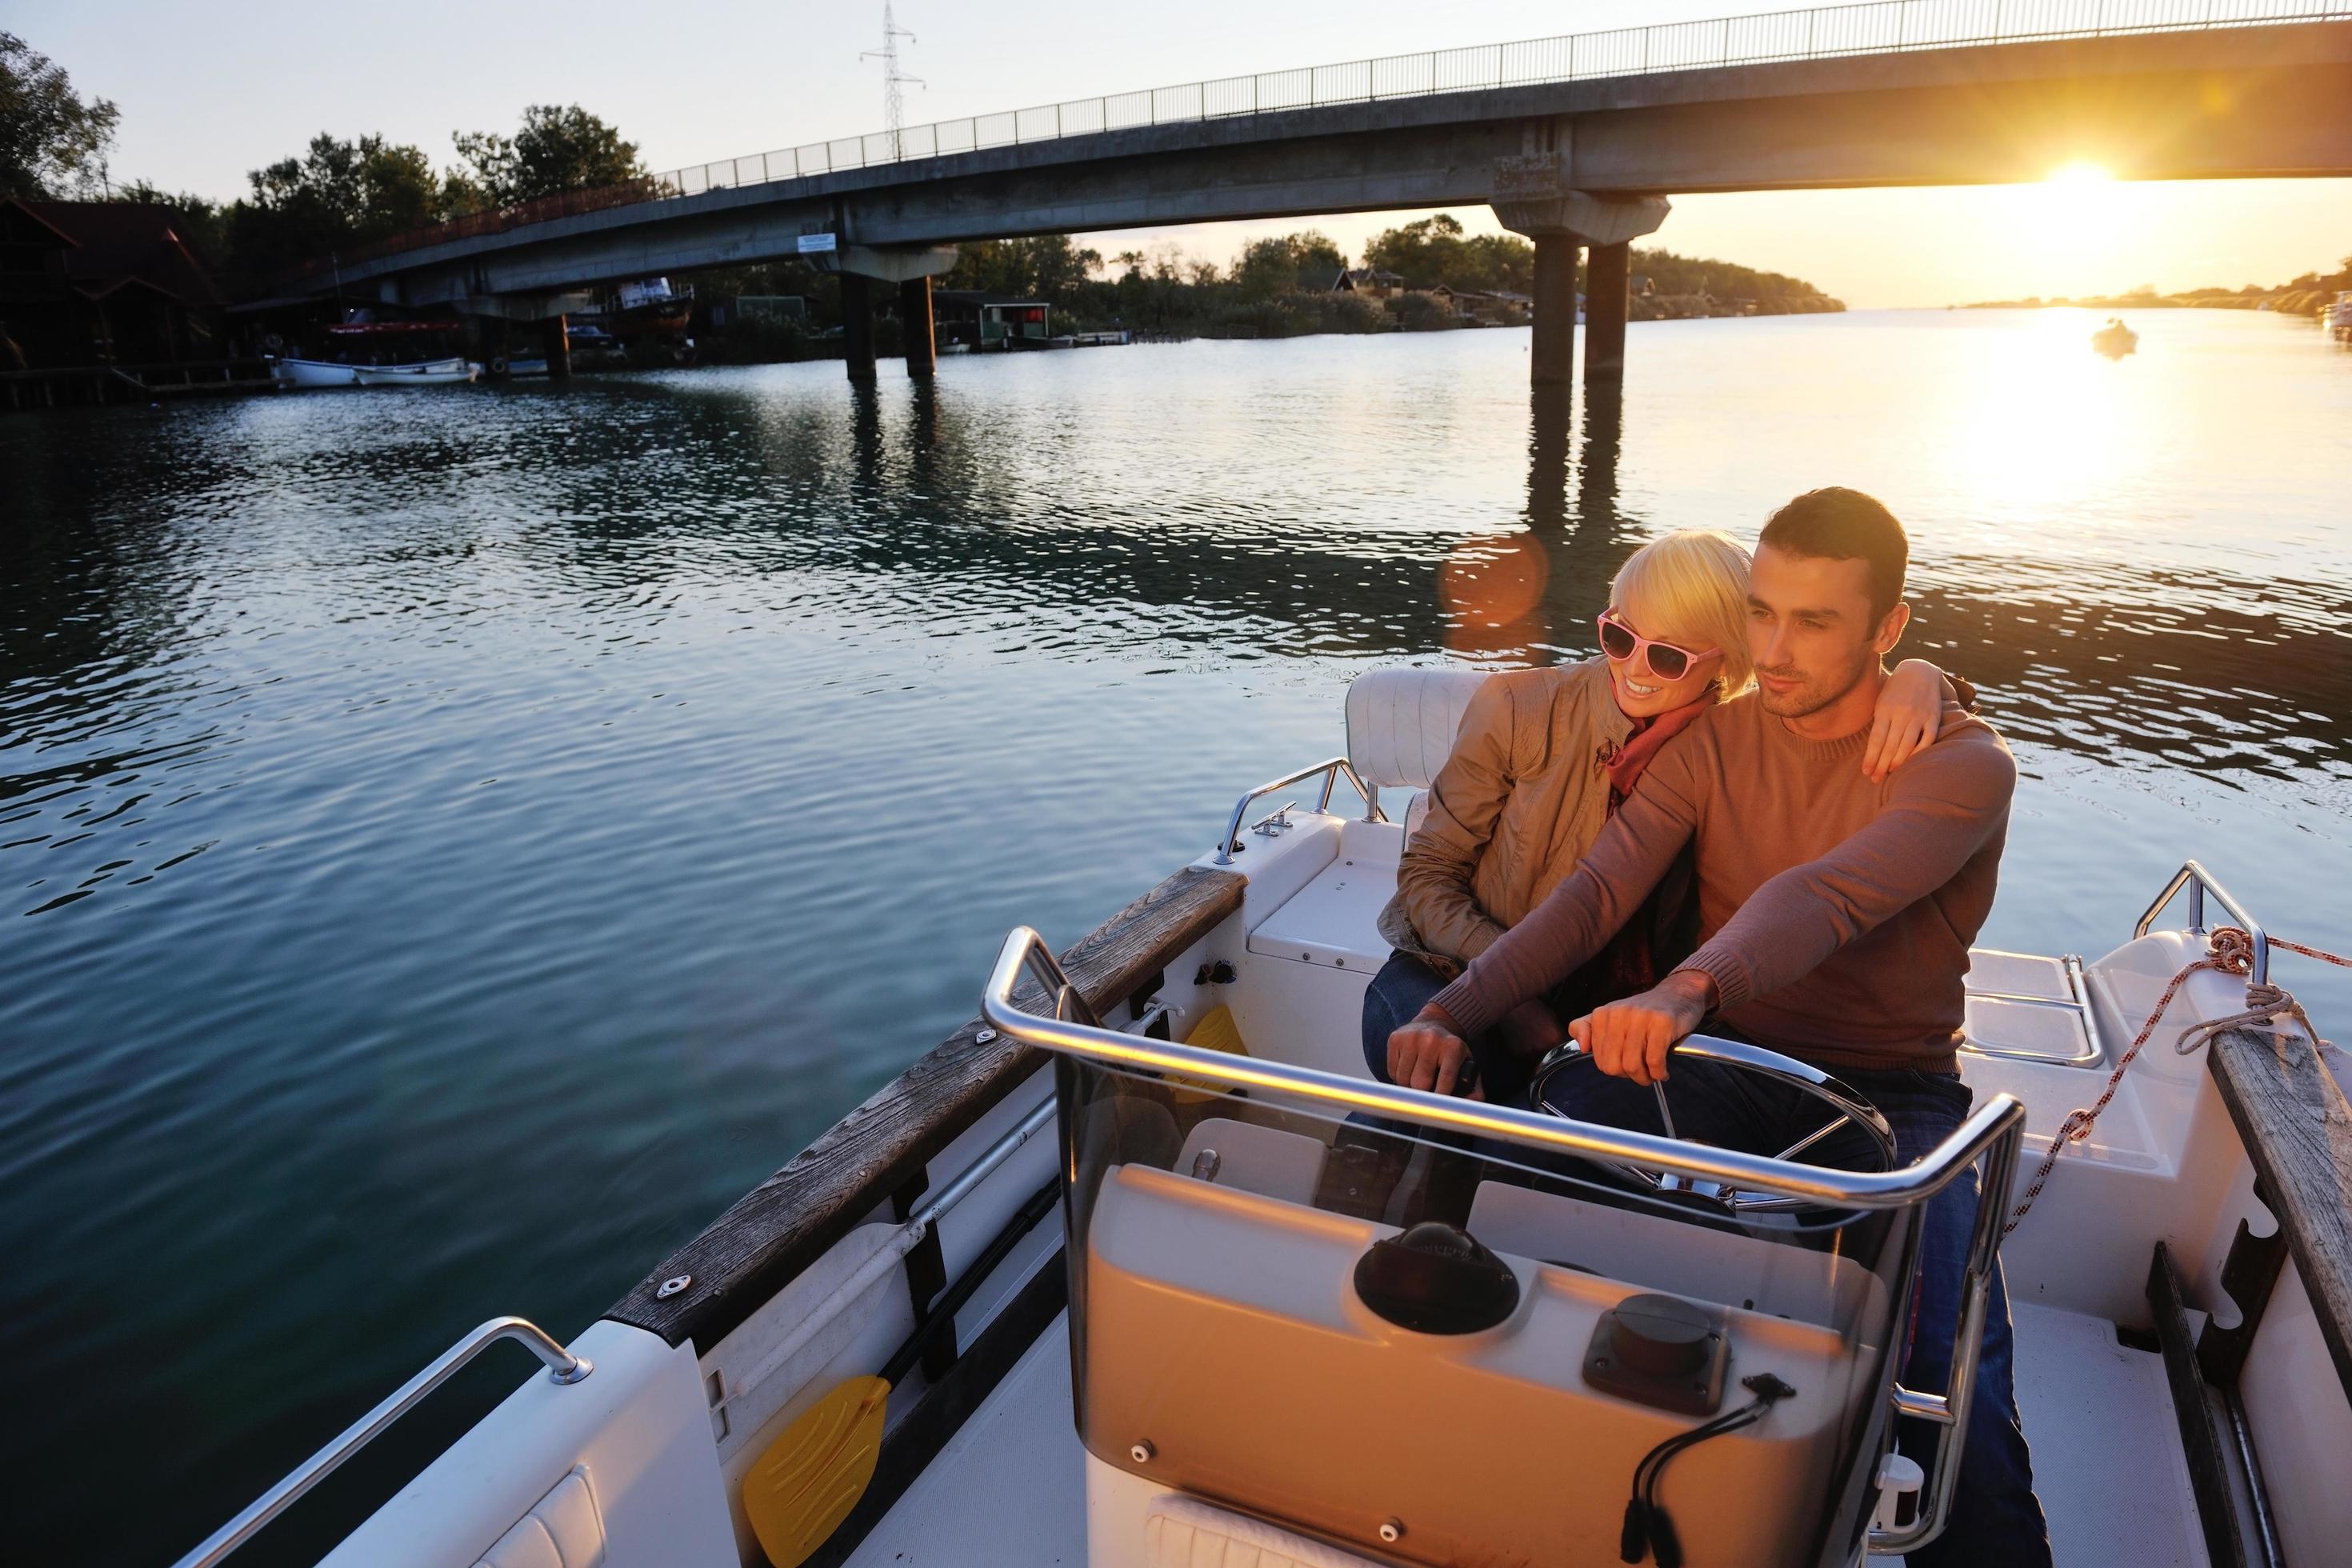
1909, 713
1427, 1053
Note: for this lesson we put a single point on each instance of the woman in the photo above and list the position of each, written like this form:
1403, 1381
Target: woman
1542, 758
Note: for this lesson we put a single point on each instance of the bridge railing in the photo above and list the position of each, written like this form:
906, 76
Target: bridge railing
1876, 26
1873, 28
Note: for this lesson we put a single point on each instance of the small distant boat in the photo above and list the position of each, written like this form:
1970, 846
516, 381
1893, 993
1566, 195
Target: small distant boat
2115, 340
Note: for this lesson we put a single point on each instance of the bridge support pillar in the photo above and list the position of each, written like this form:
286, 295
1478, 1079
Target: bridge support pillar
1608, 299
915, 327
1552, 359
857, 327
1533, 198
555, 342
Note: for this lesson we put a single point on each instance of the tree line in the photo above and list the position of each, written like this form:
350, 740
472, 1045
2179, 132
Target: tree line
336, 194
340, 194
1281, 285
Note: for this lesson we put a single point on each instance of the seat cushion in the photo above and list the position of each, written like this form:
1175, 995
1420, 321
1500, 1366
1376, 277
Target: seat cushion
1401, 721
1184, 1532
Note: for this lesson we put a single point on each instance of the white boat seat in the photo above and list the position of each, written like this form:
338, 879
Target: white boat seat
1401, 721
1334, 919
1182, 1532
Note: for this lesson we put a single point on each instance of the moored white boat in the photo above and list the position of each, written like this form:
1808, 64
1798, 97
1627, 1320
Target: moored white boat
382, 353
2336, 319
1137, 1302
424, 373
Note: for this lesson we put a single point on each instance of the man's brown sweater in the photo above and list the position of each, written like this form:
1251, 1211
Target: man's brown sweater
1835, 914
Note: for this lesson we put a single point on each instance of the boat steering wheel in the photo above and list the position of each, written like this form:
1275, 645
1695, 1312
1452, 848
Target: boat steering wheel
1849, 1109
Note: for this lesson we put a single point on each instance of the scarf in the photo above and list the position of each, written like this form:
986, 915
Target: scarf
1626, 763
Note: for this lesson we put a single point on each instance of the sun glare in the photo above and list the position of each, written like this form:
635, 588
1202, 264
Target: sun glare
2080, 173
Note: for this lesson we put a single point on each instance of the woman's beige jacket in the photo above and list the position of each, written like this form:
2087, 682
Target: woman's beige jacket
1513, 809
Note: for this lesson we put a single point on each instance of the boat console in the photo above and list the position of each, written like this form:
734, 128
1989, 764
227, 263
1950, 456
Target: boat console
1389, 1322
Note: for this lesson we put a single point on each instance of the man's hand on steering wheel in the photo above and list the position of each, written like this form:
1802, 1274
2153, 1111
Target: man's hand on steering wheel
1428, 1054
1630, 1039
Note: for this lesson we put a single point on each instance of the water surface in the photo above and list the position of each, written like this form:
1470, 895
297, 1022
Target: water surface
453, 843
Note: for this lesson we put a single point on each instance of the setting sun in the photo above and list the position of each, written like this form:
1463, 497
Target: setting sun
2081, 173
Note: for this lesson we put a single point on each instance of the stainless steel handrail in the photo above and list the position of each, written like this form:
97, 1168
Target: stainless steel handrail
1025, 949
563, 1366
2199, 882
1990, 1135
1331, 770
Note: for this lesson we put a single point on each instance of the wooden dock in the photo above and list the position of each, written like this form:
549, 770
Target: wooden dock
95, 384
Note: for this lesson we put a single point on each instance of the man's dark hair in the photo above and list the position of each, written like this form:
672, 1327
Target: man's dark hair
1838, 524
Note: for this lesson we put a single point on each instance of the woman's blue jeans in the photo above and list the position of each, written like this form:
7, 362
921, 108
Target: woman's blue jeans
1396, 997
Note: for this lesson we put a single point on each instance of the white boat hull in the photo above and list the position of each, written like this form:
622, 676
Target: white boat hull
429, 373
306, 372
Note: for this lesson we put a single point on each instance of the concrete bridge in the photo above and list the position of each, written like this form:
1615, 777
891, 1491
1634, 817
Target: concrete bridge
1576, 141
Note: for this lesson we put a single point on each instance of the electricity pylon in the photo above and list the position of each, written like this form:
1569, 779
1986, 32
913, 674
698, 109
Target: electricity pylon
894, 106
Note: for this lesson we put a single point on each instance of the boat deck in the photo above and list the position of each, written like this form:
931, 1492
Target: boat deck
1009, 1491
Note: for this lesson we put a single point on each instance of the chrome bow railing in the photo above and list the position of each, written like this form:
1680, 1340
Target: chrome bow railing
1989, 1136
2200, 883
1332, 769
563, 1366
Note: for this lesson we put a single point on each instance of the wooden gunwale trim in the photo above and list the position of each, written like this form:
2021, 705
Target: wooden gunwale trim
776, 1230
2200, 1436
2297, 1130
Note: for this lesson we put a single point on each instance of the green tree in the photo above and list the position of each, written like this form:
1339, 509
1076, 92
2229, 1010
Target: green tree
559, 148
1047, 267
52, 144
1282, 264
1421, 252
338, 194
1433, 250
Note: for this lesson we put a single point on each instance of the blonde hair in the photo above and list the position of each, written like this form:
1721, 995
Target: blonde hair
1690, 587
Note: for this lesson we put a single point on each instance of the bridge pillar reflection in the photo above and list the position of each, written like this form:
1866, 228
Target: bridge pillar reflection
915, 327
857, 327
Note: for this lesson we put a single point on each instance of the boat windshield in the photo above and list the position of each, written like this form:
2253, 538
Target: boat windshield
1346, 1323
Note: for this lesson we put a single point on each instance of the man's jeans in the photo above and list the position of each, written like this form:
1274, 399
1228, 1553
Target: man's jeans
1994, 1517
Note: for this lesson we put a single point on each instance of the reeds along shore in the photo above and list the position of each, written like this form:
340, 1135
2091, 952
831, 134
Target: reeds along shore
2286, 302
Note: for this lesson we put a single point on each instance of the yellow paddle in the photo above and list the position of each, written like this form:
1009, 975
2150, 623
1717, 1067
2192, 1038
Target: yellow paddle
1216, 1031
812, 1475
798, 1492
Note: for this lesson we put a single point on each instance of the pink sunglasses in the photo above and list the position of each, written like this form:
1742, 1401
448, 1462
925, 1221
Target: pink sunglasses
1667, 662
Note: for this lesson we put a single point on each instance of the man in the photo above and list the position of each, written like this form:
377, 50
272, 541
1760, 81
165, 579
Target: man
1835, 915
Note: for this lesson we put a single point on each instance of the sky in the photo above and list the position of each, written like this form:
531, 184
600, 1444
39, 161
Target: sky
209, 92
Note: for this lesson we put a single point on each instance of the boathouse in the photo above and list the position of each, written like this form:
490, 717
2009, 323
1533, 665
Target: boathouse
980, 319
102, 283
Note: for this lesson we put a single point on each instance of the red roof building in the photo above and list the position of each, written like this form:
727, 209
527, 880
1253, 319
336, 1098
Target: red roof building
95, 283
